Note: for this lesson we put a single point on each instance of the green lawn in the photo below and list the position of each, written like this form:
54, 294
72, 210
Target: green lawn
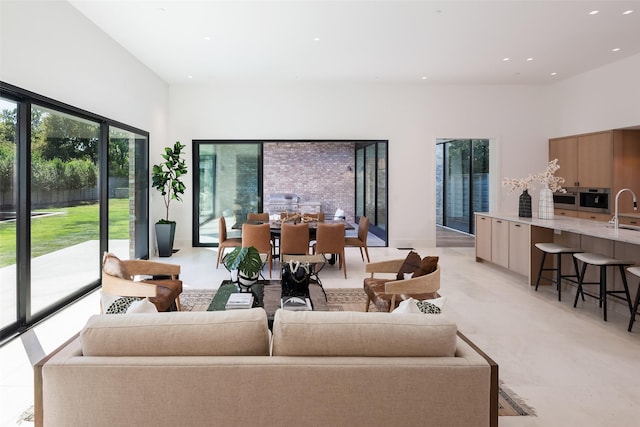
70, 226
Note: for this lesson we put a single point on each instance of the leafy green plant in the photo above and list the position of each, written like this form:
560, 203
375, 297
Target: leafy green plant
244, 259
166, 177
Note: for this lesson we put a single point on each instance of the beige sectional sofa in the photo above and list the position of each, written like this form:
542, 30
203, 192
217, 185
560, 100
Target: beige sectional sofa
228, 369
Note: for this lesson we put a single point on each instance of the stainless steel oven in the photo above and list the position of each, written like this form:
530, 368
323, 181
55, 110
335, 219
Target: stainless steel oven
595, 200
568, 200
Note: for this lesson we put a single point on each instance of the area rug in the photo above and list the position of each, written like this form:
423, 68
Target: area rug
354, 299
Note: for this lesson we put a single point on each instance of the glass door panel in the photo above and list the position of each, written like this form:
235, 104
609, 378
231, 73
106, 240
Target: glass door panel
457, 185
229, 181
8, 170
65, 212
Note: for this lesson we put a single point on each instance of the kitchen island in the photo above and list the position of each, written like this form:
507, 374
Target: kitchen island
508, 241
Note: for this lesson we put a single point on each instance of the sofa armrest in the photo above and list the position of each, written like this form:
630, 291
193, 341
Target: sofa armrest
116, 286
151, 268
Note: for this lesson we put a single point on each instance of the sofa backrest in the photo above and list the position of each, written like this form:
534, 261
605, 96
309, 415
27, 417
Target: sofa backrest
207, 333
318, 333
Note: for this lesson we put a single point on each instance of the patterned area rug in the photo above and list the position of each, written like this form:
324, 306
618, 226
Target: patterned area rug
354, 299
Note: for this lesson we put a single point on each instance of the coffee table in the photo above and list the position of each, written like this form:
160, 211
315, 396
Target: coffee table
267, 294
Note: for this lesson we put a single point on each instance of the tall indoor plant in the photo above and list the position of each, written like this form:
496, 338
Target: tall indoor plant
166, 179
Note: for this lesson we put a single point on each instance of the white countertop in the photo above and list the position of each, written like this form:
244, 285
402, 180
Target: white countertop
585, 227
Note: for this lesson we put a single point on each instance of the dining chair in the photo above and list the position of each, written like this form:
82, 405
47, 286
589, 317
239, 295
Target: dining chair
258, 236
294, 239
314, 216
330, 240
262, 216
223, 241
361, 240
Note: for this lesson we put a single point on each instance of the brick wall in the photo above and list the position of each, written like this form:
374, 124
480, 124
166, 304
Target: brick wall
317, 171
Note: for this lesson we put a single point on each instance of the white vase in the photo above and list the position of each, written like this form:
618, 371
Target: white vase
545, 204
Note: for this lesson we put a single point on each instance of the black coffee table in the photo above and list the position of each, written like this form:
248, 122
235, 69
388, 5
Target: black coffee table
267, 294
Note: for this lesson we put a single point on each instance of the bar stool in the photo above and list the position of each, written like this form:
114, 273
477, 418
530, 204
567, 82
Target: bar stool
636, 272
558, 250
603, 262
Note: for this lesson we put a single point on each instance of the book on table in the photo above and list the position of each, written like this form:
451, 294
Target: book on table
296, 304
239, 300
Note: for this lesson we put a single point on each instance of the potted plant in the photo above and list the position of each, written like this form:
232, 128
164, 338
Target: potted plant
246, 263
166, 179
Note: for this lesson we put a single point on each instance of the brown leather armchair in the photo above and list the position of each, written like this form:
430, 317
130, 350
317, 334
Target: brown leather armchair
386, 294
118, 279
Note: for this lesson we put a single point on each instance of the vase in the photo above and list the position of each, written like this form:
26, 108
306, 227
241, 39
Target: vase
524, 206
545, 205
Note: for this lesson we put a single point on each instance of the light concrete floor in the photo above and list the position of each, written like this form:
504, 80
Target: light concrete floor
568, 364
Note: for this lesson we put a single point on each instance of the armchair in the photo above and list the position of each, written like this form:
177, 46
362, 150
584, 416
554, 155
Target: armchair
118, 279
386, 294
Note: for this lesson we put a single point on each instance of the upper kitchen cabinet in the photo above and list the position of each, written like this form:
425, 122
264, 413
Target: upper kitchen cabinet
585, 160
566, 151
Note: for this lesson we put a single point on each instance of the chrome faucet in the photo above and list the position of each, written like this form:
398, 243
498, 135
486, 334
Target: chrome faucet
615, 220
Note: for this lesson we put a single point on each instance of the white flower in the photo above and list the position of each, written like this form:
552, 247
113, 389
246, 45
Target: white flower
546, 178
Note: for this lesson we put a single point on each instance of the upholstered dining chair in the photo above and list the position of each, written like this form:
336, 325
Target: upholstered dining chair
330, 240
294, 239
361, 240
387, 293
258, 236
314, 216
224, 241
118, 280
262, 216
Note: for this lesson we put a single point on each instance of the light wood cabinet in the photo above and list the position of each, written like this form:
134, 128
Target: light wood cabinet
566, 212
519, 239
595, 160
595, 216
483, 237
629, 220
585, 160
500, 242
566, 151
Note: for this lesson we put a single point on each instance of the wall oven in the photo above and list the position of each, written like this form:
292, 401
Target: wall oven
595, 200
568, 200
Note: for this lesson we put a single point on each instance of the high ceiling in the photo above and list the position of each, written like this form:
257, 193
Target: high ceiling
424, 42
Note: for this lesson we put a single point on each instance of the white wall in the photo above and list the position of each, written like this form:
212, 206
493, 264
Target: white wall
49, 48
410, 117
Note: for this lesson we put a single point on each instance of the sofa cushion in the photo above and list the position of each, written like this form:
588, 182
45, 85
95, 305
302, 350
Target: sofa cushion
213, 333
319, 333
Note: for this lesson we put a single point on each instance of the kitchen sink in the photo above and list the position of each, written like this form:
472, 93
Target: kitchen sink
625, 227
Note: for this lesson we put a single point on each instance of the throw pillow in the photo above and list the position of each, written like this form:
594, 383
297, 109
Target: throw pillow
429, 306
427, 266
142, 306
112, 265
115, 304
411, 263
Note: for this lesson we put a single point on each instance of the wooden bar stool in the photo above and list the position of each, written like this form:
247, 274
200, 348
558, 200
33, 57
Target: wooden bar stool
558, 250
603, 262
636, 272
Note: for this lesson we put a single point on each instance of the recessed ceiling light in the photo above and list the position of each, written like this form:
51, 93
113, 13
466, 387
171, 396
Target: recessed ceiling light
529, 59
627, 12
615, 49
505, 59
594, 12
316, 39
189, 76
554, 73
207, 38
424, 77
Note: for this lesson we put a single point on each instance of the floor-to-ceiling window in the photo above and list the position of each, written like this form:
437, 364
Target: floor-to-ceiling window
228, 183
371, 185
462, 182
72, 185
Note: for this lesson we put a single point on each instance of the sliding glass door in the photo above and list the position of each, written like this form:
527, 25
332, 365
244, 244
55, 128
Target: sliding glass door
462, 179
371, 186
228, 183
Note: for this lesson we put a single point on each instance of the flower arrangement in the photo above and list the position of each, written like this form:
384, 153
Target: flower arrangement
547, 178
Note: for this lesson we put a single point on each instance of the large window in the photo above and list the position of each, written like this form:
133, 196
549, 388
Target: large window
462, 180
72, 185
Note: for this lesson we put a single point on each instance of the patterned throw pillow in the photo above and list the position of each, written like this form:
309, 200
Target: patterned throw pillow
428, 308
121, 305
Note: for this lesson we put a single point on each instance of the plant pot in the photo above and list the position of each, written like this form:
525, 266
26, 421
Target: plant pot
164, 237
245, 283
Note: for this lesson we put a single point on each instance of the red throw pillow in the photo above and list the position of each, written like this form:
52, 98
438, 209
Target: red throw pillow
427, 266
411, 264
